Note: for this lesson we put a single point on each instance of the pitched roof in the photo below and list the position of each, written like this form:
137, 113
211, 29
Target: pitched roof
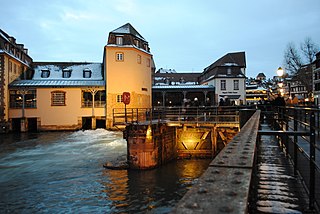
176, 77
261, 75
56, 83
128, 29
55, 77
229, 66
230, 59
180, 87
56, 69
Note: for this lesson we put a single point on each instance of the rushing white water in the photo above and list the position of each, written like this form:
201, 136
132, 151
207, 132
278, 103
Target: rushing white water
62, 172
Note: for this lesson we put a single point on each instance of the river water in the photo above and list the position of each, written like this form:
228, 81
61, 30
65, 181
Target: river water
62, 172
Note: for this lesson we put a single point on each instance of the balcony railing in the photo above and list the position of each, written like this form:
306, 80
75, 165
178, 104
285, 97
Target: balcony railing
97, 104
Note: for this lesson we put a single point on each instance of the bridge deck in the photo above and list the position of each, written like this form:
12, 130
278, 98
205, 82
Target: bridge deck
275, 187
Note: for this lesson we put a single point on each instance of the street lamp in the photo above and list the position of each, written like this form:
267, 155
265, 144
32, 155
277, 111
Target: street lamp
280, 72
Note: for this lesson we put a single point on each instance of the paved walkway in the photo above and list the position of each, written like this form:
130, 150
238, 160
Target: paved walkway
276, 189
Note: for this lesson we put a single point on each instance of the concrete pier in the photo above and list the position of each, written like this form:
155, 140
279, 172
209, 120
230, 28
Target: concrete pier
150, 145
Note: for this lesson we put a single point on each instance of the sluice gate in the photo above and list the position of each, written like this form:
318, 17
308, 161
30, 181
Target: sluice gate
152, 145
173, 133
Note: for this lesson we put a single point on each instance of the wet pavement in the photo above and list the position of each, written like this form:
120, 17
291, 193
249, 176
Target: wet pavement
276, 188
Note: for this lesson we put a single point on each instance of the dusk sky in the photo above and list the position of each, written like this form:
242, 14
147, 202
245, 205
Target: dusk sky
183, 35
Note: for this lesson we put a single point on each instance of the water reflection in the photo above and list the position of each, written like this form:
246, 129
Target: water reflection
157, 190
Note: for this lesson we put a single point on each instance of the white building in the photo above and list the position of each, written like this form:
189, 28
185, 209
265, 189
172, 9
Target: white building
227, 75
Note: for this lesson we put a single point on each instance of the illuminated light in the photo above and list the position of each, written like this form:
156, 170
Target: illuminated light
280, 72
307, 99
280, 84
149, 133
184, 128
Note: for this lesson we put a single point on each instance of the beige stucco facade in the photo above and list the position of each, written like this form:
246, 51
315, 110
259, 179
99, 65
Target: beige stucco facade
132, 74
66, 117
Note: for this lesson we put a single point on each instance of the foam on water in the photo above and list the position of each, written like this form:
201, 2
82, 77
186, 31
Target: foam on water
63, 173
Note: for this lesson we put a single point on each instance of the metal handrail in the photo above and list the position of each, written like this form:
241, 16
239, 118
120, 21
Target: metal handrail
215, 114
295, 119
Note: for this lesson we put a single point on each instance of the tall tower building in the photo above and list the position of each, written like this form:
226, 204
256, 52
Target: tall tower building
128, 68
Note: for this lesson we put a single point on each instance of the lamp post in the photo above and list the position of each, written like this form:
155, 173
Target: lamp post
280, 73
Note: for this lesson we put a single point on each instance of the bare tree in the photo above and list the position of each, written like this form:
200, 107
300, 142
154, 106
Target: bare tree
309, 50
292, 59
298, 61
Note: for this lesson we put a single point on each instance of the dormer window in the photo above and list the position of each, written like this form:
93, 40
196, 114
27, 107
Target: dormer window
66, 73
136, 43
87, 73
229, 71
119, 40
45, 73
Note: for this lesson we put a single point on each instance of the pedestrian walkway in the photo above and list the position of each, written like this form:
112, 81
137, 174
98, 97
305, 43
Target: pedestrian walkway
276, 189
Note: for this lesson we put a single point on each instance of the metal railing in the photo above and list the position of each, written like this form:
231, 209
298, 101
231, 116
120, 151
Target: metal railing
226, 114
97, 104
298, 129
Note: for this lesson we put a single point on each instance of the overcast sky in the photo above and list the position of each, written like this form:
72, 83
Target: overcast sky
184, 35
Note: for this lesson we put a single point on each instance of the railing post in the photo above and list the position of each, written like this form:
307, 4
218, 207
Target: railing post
197, 115
312, 161
295, 141
286, 124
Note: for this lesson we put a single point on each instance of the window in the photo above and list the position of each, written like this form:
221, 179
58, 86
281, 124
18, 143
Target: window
119, 56
146, 47
58, 98
29, 96
148, 62
66, 73
119, 40
144, 89
223, 84
87, 73
235, 84
99, 99
119, 98
136, 43
229, 71
45, 73
10, 66
139, 59
86, 99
